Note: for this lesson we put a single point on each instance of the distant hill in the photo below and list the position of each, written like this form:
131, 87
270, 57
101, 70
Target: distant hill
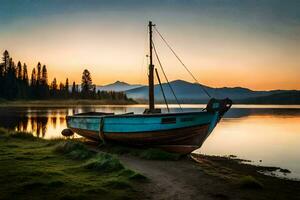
188, 92
117, 86
285, 97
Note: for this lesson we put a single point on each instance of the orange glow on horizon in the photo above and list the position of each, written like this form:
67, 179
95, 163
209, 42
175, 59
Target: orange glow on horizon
115, 50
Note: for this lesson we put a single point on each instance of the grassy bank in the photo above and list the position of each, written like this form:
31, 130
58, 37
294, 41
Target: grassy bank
63, 103
34, 168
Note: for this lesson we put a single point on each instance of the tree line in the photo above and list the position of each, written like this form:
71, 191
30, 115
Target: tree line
16, 85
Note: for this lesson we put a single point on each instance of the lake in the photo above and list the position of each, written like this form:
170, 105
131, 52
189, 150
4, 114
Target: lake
266, 135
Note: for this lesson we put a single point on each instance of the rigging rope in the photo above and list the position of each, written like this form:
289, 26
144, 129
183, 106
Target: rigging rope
163, 71
205, 91
162, 90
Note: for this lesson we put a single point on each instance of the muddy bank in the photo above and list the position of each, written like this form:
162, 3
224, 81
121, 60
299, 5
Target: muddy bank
206, 177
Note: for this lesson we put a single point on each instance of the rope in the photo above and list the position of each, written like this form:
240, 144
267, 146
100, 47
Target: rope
163, 71
162, 90
205, 91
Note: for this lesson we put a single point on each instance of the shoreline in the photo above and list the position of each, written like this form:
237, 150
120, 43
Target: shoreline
63, 103
86, 102
62, 164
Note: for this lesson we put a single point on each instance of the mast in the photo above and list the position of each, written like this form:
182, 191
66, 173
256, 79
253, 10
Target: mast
151, 69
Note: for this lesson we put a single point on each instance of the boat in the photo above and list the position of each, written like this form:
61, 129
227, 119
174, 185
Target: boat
180, 132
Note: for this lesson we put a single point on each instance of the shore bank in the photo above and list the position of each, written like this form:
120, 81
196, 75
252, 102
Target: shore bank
33, 168
63, 103
69, 169
199, 176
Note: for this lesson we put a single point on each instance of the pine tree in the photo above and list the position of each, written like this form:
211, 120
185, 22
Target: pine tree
12, 67
67, 88
73, 89
11, 81
44, 87
39, 75
53, 88
25, 83
25, 74
19, 71
33, 80
86, 84
67, 85
44, 79
61, 88
33, 84
3, 72
6, 61
54, 84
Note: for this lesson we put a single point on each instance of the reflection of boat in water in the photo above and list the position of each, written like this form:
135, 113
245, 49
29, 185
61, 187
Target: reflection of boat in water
180, 132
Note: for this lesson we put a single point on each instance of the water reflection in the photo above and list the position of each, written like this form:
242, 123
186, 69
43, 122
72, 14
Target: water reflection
270, 133
48, 122
267, 137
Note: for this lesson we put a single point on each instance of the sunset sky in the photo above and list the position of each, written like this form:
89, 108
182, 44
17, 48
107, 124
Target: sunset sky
254, 44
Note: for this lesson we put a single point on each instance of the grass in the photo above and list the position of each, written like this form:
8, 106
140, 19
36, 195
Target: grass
249, 182
73, 150
104, 162
22, 135
144, 153
38, 169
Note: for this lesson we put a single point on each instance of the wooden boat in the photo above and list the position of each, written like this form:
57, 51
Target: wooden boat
181, 132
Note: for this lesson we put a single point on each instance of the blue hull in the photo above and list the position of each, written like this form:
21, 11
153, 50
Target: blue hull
179, 132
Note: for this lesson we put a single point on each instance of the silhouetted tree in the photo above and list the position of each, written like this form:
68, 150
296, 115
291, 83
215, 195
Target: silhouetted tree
25, 74
33, 78
39, 74
73, 91
61, 89
86, 84
11, 81
44, 87
14, 84
67, 88
33, 84
44, 80
19, 70
54, 84
53, 88
6, 61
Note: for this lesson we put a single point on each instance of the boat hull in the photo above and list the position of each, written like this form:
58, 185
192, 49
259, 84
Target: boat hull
180, 133
183, 140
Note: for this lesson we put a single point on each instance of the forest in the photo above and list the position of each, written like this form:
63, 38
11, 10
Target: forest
15, 84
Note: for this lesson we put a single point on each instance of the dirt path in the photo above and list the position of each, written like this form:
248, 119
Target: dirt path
176, 180
208, 178
186, 179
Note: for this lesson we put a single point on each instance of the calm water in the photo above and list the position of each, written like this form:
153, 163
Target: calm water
267, 135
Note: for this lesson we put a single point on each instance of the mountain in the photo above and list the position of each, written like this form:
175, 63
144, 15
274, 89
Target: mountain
117, 86
285, 97
188, 92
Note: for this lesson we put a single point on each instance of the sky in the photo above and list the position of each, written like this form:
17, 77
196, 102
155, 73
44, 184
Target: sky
246, 43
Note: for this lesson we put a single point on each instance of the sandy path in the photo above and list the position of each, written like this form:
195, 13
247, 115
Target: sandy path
175, 180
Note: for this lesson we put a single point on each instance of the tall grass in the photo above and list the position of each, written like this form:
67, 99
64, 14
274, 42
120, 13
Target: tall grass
104, 162
22, 135
74, 150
